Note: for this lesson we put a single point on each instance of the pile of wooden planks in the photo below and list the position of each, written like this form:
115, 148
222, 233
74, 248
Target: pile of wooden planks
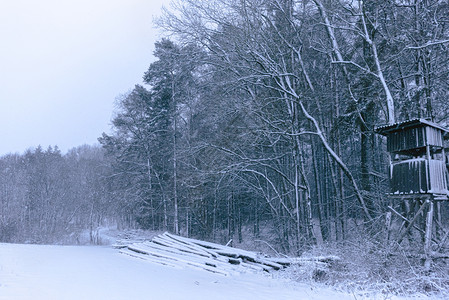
178, 252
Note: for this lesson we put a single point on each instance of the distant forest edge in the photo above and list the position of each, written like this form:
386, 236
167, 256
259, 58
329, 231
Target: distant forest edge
47, 197
256, 121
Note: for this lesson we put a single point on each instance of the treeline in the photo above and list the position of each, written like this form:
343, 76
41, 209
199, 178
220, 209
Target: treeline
258, 117
263, 112
48, 197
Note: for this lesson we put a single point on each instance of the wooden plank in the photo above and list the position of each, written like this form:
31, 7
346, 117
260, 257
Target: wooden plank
232, 252
180, 247
189, 243
411, 223
149, 259
171, 259
152, 247
171, 250
174, 263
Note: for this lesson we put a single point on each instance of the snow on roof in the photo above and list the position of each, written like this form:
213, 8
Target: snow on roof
386, 129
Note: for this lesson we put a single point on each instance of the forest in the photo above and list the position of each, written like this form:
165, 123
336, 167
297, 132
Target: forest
256, 121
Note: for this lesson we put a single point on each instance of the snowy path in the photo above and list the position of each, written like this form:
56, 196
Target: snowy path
70, 272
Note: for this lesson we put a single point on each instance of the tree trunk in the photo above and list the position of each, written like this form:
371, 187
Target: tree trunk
320, 207
339, 162
175, 161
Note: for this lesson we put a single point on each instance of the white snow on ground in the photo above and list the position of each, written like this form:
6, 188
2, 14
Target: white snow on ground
99, 272
89, 272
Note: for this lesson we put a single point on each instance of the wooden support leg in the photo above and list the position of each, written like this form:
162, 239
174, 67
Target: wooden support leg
388, 223
428, 237
439, 231
406, 221
388, 226
443, 241
410, 225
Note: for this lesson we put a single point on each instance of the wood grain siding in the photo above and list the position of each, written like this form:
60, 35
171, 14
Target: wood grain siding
434, 137
409, 177
418, 176
413, 138
438, 177
410, 138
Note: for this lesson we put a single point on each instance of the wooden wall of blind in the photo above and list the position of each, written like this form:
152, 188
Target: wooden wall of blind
413, 138
418, 176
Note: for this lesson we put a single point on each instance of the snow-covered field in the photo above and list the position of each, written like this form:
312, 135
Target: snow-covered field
102, 272
94, 272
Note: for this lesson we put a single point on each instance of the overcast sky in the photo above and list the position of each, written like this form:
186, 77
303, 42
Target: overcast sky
64, 62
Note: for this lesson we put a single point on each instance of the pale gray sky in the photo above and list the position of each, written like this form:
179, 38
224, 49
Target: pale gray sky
63, 63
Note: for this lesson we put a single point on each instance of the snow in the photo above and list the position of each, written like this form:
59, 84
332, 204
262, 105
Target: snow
98, 272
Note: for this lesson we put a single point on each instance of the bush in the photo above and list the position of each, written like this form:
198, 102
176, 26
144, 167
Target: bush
366, 267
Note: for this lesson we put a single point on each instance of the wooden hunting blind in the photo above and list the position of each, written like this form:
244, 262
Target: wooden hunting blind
418, 160
419, 177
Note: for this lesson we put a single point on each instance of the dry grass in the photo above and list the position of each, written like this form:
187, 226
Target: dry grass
366, 266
